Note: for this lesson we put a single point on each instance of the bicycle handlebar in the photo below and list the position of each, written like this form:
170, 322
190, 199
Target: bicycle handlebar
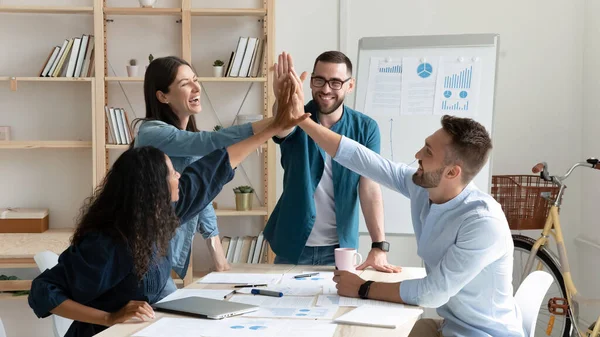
542, 169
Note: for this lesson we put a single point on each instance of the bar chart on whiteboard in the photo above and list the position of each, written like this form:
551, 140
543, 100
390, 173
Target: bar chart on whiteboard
458, 87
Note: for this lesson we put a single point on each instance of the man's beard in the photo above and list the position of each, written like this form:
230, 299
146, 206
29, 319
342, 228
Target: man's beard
336, 105
428, 179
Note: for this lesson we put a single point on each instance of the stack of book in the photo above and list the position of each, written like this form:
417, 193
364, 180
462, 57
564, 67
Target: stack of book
118, 126
246, 249
245, 60
74, 58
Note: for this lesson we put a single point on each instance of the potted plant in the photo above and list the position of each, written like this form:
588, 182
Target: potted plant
243, 198
150, 58
132, 68
217, 128
147, 3
218, 68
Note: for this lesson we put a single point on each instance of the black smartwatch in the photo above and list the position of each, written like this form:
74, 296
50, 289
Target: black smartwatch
363, 291
383, 245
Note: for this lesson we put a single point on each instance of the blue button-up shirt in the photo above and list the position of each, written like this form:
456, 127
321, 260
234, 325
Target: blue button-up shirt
292, 220
466, 246
183, 148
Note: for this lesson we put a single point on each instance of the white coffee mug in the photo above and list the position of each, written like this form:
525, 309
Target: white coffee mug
346, 259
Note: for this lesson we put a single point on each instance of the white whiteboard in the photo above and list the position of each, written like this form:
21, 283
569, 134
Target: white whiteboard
405, 135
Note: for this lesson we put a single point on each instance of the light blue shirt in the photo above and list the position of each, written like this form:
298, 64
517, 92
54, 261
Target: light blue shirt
466, 246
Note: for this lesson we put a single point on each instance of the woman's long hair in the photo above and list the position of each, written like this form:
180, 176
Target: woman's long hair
161, 73
133, 205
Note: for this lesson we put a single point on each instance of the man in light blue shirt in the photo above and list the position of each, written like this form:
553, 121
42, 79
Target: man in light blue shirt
462, 234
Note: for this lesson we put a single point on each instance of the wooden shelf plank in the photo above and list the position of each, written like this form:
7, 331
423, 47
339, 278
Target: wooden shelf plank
229, 12
46, 10
233, 212
48, 144
47, 79
15, 285
21, 246
201, 79
141, 11
117, 146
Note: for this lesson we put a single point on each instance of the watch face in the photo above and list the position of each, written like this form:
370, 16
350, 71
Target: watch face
385, 246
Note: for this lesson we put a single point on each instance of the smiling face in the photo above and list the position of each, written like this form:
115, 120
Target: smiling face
328, 99
432, 159
184, 93
173, 180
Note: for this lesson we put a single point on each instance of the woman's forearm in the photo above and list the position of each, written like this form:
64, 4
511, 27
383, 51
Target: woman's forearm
79, 312
239, 151
259, 126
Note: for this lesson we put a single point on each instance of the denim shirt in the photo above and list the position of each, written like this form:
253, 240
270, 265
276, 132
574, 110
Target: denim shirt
293, 218
466, 246
99, 271
184, 147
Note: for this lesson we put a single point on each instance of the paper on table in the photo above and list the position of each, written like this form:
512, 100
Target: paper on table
309, 312
236, 327
206, 293
274, 302
288, 290
323, 279
240, 278
379, 316
336, 300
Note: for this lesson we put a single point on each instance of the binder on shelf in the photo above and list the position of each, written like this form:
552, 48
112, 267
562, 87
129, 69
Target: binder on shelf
248, 55
238, 57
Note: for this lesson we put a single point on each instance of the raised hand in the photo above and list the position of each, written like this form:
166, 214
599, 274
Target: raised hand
138, 309
290, 107
280, 71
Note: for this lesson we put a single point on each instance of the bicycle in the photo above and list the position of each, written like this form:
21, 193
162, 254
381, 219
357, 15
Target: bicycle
559, 313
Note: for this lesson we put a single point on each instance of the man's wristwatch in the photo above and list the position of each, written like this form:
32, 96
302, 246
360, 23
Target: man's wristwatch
363, 291
383, 245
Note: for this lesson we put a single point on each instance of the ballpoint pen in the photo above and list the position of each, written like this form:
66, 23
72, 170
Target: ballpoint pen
250, 285
266, 292
306, 275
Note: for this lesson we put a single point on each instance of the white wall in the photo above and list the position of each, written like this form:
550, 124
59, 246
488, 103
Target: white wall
542, 78
588, 247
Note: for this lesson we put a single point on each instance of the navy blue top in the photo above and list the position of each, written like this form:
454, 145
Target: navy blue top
293, 218
99, 271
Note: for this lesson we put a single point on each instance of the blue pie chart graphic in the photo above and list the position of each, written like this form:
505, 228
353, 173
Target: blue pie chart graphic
447, 93
463, 94
424, 70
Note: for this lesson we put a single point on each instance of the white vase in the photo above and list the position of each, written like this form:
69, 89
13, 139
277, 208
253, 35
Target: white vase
147, 3
218, 71
132, 71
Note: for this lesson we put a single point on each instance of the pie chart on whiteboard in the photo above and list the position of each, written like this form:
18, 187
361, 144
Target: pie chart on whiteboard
424, 70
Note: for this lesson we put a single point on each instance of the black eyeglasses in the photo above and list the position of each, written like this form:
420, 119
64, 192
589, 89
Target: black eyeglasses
319, 82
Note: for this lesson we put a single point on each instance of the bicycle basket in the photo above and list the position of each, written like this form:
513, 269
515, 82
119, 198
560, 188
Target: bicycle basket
521, 199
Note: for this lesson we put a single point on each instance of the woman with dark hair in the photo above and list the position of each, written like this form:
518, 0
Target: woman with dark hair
172, 96
117, 261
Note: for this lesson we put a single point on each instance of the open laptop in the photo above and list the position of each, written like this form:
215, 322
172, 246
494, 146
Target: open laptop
204, 307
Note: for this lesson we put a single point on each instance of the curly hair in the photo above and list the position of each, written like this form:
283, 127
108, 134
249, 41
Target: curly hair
133, 206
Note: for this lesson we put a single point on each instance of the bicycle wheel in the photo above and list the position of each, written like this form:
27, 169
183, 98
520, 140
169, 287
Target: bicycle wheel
547, 324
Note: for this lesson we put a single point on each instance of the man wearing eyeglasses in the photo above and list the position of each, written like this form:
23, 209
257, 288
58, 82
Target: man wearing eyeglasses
318, 209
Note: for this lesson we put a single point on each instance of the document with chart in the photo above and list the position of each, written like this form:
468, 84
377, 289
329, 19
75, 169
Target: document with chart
418, 85
384, 88
458, 86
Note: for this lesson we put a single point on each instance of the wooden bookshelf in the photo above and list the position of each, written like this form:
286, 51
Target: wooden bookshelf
141, 11
44, 144
201, 79
228, 11
232, 212
46, 10
46, 79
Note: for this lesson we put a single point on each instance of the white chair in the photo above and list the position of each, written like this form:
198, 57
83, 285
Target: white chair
47, 260
2, 331
529, 297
